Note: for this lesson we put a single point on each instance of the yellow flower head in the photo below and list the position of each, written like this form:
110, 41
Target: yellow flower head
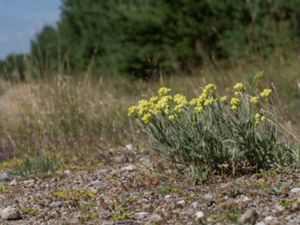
257, 118
239, 87
208, 102
163, 91
154, 99
234, 107
223, 98
171, 117
254, 100
235, 101
193, 102
266, 93
178, 108
143, 107
180, 99
198, 109
132, 110
147, 118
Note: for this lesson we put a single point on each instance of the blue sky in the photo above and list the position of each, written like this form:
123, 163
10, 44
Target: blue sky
20, 20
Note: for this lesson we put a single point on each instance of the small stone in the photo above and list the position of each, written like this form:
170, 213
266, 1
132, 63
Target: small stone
155, 218
180, 203
6, 176
105, 215
56, 204
295, 190
13, 182
195, 205
67, 173
250, 216
129, 147
260, 223
29, 183
141, 215
128, 168
10, 213
279, 208
199, 215
209, 199
269, 219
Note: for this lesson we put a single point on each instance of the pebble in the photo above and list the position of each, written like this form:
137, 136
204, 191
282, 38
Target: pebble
279, 208
155, 218
141, 215
269, 219
195, 205
56, 204
10, 213
250, 216
199, 215
209, 199
29, 183
129, 147
67, 173
295, 190
6, 176
180, 203
13, 182
128, 168
260, 223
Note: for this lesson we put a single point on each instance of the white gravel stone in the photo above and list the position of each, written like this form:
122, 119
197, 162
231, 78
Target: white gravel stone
128, 168
295, 190
199, 215
10, 213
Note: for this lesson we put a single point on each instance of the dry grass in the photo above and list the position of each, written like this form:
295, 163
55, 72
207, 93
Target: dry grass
76, 117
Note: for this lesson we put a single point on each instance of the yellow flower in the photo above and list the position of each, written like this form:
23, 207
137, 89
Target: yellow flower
234, 107
147, 118
132, 110
235, 103
254, 100
266, 93
154, 100
171, 117
257, 118
193, 102
237, 93
223, 98
178, 108
239, 87
208, 102
143, 107
180, 99
198, 109
163, 91
263, 119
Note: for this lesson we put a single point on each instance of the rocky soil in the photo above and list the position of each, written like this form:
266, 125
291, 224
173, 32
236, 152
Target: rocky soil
142, 189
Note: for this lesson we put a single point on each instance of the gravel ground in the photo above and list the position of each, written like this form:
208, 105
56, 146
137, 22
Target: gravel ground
142, 189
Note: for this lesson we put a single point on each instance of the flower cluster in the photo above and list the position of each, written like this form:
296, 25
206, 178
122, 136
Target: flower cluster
171, 107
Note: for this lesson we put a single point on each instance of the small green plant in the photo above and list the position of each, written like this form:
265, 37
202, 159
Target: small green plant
214, 133
29, 211
121, 214
75, 197
3, 188
41, 165
89, 216
166, 189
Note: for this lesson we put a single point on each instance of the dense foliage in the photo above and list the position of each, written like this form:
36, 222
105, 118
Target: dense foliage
146, 37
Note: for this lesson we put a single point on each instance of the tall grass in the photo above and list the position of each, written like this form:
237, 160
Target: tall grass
80, 117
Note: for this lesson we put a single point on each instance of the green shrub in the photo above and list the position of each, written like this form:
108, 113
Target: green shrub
212, 133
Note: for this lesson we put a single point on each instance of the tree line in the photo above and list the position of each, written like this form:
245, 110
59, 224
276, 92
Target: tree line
148, 37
